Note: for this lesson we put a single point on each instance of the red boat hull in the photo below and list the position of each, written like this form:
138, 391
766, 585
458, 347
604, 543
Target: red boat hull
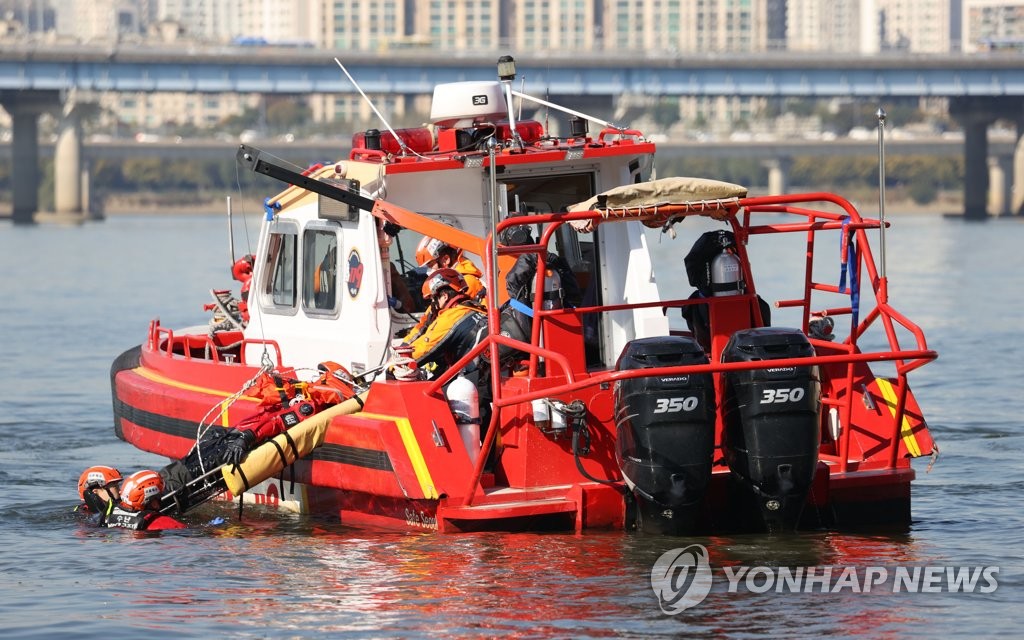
380, 469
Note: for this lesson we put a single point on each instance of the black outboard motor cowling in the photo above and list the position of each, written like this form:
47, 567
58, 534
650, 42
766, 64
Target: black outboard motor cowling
666, 433
772, 423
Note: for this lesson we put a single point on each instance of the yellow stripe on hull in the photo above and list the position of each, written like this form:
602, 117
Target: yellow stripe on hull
412, 448
177, 384
906, 431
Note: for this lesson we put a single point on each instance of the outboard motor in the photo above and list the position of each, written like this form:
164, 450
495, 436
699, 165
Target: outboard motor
666, 433
772, 423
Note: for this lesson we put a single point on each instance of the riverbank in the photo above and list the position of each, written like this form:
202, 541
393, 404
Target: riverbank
147, 204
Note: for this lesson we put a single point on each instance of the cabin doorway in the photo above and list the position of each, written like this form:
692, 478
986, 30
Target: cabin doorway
554, 194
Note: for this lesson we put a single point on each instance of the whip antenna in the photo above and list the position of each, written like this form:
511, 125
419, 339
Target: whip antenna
401, 143
231, 234
880, 114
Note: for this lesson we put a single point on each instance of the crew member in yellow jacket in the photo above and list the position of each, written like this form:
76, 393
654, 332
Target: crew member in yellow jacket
457, 325
435, 254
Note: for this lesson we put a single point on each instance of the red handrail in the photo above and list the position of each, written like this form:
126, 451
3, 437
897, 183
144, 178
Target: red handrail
162, 340
741, 212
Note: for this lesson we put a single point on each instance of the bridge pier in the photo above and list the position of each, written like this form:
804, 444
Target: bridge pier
976, 174
1000, 172
778, 175
70, 184
975, 114
25, 107
1017, 188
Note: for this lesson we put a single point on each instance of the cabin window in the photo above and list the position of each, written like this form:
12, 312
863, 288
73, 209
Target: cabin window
279, 287
320, 270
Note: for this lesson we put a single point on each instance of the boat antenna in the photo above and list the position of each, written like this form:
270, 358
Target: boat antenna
578, 114
522, 87
880, 114
493, 184
231, 234
401, 143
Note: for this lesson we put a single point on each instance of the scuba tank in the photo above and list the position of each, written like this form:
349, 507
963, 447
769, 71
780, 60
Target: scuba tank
464, 403
713, 266
726, 274
552, 290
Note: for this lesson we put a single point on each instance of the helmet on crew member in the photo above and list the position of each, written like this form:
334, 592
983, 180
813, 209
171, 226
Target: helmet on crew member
430, 250
516, 235
140, 488
97, 476
441, 279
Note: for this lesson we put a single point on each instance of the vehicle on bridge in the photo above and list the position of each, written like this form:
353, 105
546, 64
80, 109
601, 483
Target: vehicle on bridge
584, 413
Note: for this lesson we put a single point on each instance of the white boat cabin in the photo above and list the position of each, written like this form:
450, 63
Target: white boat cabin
324, 273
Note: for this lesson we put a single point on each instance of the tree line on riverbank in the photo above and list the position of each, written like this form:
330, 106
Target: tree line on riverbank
175, 183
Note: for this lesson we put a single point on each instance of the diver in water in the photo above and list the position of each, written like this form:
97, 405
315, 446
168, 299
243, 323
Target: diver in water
190, 481
104, 491
128, 503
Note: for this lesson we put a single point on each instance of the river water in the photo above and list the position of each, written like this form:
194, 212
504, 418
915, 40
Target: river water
75, 297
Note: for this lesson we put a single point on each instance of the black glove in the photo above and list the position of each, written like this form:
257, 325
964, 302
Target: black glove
239, 445
391, 229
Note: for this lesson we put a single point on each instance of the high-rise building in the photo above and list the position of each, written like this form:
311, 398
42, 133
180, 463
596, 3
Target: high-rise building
460, 25
99, 20
914, 26
204, 20
992, 25
832, 26
690, 26
551, 25
33, 16
270, 21
368, 25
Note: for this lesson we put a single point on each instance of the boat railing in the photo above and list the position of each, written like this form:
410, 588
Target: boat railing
164, 341
737, 212
849, 221
856, 228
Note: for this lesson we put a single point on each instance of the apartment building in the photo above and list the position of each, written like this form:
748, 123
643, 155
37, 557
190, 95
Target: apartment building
992, 26
827, 26
550, 27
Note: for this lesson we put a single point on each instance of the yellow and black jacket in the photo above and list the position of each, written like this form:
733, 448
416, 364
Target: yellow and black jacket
455, 330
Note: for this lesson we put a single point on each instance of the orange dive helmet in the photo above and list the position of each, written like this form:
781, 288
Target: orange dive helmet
443, 278
96, 477
140, 488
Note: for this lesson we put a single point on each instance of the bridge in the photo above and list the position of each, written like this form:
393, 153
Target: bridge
39, 78
775, 155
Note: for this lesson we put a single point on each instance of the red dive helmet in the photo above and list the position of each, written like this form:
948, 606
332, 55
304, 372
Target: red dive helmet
140, 488
97, 476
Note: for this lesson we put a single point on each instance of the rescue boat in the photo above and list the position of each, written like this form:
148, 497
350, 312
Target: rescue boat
764, 413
